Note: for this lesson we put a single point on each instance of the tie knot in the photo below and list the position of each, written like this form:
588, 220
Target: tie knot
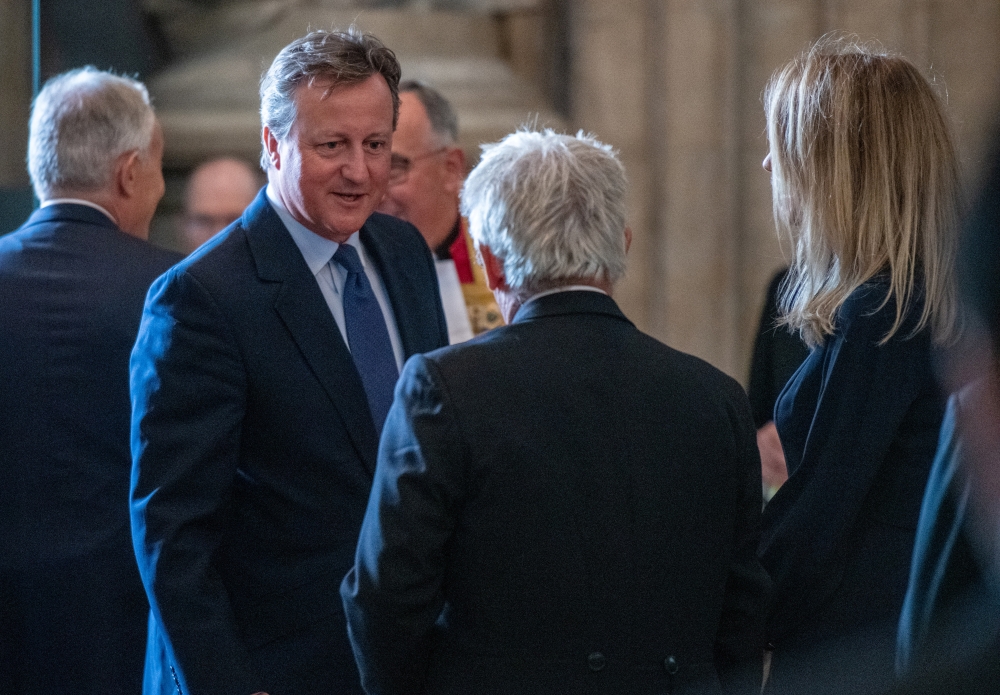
347, 256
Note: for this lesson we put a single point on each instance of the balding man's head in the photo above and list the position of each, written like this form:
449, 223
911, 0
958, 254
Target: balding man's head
217, 193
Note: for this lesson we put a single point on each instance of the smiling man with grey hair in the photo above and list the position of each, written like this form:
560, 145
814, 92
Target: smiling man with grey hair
562, 504
72, 282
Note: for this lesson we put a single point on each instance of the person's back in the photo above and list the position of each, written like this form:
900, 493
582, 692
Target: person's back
596, 538
563, 504
73, 280
70, 310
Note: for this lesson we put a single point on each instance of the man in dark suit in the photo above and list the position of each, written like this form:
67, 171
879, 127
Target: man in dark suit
261, 378
72, 283
563, 504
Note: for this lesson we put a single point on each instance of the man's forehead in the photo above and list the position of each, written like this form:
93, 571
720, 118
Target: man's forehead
344, 106
327, 86
414, 127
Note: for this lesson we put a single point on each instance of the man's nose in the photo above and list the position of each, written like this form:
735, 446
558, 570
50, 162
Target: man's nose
355, 166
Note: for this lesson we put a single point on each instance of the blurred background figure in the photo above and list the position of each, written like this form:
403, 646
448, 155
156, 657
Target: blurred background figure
865, 187
72, 283
216, 194
948, 631
777, 353
428, 168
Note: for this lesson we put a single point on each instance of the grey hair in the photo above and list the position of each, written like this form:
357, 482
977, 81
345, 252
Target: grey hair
81, 121
550, 207
444, 120
341, 57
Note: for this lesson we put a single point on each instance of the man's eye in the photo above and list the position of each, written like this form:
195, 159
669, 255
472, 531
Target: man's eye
376, 145
330, 145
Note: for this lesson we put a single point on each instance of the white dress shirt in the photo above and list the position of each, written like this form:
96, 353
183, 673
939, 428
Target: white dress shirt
331, 276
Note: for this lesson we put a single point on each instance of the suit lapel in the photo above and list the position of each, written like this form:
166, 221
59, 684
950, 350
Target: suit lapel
304, 312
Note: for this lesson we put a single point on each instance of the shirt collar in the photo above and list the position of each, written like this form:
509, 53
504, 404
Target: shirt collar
316, 250
79, 201
565, 288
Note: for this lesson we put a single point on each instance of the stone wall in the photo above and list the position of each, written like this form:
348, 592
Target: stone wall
15, 90
676, 85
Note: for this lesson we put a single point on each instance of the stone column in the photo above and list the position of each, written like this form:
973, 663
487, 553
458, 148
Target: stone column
695, 286
964, 55
609, 99
15, 86
773, 31
15, 107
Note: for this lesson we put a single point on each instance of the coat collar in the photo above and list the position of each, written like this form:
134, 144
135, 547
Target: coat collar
71, 212
569, 302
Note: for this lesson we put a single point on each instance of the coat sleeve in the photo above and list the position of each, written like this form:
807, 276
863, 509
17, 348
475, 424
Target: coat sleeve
188, 389
739, 642
394, 593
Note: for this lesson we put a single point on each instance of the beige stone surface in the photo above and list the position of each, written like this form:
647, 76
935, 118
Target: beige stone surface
15, 90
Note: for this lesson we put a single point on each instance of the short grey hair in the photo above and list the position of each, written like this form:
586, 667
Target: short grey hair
444, 120
550, 207
341, 57
81, 121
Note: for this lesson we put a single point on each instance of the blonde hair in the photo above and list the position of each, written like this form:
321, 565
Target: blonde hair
865, 182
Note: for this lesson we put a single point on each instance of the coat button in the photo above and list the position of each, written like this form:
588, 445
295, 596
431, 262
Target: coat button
670, 665
596, 661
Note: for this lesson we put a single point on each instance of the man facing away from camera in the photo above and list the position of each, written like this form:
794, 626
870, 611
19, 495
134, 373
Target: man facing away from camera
563, 504
260, 381
72, 282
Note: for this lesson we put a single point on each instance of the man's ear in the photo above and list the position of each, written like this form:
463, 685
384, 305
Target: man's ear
127, 173
271, 147
628, 238
454, 164
493, 267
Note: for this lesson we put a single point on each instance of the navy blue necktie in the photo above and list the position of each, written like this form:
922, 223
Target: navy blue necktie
367, 336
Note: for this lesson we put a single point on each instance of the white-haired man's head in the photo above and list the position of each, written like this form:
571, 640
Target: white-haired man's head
550, 208
81, 121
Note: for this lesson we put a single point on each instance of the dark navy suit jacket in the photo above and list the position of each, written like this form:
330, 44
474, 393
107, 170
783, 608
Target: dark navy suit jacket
562, 505
72, 608
254, 451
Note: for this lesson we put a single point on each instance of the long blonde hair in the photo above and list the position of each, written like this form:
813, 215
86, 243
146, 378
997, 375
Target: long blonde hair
864, 181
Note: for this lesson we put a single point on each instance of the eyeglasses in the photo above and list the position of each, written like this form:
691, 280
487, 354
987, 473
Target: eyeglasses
400, 165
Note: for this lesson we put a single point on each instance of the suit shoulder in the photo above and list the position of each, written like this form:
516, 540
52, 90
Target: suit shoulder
220, 259
13, 242
692, 370
392, 230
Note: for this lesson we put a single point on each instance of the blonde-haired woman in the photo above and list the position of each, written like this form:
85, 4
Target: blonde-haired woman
863, 174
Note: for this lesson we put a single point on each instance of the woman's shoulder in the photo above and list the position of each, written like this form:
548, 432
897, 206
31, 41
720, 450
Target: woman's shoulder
871, 309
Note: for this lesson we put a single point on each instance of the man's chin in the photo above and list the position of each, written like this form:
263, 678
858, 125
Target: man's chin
343, 226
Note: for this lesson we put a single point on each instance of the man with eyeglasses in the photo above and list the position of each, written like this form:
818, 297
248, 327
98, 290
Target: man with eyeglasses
428, 168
